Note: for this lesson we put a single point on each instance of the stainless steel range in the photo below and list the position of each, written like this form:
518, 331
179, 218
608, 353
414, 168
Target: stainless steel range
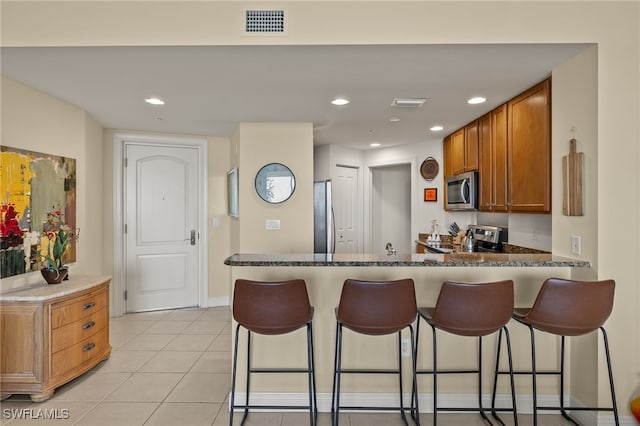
489, 238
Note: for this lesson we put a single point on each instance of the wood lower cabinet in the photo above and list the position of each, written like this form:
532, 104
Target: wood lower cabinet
52, 334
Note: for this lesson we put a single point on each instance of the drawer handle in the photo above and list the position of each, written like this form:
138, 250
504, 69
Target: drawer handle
88, 347
89, 305
88, 325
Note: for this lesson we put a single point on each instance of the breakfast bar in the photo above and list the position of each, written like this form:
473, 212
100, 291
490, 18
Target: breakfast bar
324, 275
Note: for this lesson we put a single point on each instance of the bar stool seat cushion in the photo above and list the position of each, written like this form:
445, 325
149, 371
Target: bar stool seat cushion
569, 308
271, 307
469, 309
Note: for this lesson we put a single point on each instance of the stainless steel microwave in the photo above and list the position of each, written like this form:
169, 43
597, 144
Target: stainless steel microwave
462, 191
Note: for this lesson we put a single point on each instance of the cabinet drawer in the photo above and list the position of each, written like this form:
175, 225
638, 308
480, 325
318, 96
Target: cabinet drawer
80, 307
74, 356
70, 334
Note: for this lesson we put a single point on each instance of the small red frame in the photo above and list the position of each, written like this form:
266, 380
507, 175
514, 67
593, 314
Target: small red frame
431, 194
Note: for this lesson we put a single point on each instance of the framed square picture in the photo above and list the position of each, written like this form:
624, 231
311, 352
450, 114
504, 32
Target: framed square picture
431, 194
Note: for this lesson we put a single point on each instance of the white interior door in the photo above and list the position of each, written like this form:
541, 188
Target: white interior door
161, 219
346, 209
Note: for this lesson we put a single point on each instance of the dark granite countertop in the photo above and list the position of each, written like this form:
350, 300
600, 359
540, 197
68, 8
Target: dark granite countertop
400, 260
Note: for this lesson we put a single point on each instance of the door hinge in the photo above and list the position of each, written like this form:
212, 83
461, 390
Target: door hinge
126, 162
125, 228
125, 295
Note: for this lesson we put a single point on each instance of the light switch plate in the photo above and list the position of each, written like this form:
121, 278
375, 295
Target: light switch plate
273, 224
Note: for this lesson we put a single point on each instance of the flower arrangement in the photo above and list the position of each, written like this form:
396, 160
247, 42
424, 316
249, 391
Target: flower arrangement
59, 235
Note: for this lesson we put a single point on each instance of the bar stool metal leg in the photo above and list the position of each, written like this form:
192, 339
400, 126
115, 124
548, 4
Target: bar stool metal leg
494, 410
613, 391
313, 402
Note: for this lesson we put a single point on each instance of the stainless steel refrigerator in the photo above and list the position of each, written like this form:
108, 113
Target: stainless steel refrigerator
324, 227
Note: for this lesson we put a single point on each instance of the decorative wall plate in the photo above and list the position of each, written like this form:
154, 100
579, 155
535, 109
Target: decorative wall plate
429, 168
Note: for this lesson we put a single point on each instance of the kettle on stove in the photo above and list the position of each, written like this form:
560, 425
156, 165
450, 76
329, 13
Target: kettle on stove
467, 241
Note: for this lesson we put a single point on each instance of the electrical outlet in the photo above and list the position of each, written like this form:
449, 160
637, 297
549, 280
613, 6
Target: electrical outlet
576, 244
405, 344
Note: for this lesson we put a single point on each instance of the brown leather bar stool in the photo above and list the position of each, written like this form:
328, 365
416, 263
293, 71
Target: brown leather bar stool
374, 308
468, 309
567, 308
272, 308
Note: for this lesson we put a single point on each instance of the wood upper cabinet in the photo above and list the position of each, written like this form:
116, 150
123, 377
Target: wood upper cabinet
471, 142
448, 167
493, 160
461, 149
457, 152
511, 149
529, 150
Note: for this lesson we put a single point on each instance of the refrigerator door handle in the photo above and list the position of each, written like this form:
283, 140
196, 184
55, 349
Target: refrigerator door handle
333, 232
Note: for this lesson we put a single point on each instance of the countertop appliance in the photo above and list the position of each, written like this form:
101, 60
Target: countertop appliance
489, 238
323, 223
462, 191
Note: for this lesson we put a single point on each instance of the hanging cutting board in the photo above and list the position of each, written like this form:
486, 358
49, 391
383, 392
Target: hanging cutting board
572, 181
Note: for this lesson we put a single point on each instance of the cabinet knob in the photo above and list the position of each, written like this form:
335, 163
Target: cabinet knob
88, 325
88, 347
89, 305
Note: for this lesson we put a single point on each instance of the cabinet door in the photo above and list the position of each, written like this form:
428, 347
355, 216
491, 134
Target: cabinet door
499, 157
529, 150
23, 345
485, 169
471, 146
457, 152
448, 167
492, 128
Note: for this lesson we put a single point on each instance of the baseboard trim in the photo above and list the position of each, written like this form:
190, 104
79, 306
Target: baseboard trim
212, 302
373, 400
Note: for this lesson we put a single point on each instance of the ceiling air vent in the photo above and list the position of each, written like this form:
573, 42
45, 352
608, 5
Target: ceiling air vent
408, 102
264, 21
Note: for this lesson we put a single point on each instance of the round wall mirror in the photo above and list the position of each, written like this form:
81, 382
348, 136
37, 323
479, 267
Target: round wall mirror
275, 183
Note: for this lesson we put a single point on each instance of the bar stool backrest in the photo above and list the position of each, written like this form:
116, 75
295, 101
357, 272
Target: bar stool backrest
473, 309
571, 308
271, 307
377, 307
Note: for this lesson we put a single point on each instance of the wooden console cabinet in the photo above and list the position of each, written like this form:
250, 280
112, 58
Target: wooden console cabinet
51, 334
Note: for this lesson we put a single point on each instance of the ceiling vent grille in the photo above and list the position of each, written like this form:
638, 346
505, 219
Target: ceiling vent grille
264, 21
408, 102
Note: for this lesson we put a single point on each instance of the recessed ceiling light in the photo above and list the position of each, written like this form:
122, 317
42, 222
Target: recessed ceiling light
340, 101
374, 144
476, 100
436, 128
154, 101
394, 119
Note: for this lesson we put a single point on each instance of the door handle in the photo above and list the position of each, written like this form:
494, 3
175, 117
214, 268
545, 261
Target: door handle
193, 237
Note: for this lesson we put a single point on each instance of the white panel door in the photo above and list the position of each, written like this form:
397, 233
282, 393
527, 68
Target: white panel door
346, 209
161, 216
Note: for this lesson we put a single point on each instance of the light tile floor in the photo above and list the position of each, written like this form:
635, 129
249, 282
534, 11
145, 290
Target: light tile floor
173, 368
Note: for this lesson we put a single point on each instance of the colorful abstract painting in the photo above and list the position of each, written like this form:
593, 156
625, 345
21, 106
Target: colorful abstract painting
33, 186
